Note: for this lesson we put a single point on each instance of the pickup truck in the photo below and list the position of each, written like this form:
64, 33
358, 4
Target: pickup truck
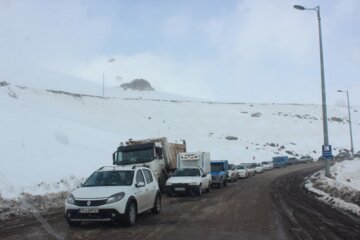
219, 170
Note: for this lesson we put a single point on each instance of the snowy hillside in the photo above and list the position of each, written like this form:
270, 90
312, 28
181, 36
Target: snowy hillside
50, 139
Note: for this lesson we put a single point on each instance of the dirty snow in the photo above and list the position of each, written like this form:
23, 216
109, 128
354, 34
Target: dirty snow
342, 190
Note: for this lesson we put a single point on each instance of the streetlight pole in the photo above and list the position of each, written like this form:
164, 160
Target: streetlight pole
350, 125
323, 93
103, 76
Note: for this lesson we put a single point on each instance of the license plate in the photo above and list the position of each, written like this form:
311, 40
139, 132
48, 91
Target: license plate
88, 210
179, 189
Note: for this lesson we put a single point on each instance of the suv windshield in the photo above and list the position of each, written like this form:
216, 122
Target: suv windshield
217, 167
240, 166
110, 178
186, 172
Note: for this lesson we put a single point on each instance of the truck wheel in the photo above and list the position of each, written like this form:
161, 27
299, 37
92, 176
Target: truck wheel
130, 214
157, 204
162, 181
199, 190
225, 183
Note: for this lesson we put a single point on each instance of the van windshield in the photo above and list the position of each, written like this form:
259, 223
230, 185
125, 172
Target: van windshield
186, 172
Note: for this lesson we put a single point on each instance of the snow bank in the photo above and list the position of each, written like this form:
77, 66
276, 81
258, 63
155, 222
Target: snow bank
342, 190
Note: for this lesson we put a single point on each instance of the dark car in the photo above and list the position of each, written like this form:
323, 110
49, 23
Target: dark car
322, 158
293, 161
306, 159
357, 155
343, 156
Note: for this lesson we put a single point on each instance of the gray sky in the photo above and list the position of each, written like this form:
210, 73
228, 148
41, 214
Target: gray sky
243, 51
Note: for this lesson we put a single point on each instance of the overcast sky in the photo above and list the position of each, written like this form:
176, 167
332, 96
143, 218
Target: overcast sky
239, 51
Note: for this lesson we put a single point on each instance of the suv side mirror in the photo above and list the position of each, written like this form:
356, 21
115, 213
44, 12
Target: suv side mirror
140, 184
204, 175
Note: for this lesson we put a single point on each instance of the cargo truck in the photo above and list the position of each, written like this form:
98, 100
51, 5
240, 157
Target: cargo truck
192, 174
158, 154
280, 161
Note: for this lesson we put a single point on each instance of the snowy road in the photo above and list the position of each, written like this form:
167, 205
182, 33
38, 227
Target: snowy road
272, 205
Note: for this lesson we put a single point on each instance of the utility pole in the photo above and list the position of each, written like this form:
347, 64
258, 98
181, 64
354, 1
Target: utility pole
103, 84
323, 92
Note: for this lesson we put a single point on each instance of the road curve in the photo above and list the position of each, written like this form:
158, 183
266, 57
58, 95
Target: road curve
307, 217
272, 205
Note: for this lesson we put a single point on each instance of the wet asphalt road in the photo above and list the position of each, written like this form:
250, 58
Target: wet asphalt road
271, 205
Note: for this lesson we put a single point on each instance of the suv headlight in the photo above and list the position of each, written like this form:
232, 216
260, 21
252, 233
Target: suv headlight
71, 199
193, 183
115, 198
168, 183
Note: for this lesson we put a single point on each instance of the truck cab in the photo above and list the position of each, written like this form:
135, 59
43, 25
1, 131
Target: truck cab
219, 171
157, 154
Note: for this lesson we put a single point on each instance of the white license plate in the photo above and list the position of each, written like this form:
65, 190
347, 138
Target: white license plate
88, 210
179, 189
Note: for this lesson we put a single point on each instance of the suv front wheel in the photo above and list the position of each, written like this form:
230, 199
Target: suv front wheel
130, 214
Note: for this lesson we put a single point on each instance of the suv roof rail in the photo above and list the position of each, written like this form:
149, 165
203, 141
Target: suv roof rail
101, 168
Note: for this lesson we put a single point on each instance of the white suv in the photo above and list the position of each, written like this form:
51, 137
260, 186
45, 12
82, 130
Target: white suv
114, 194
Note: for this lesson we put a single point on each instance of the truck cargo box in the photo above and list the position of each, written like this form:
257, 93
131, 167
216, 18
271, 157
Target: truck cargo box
194, 160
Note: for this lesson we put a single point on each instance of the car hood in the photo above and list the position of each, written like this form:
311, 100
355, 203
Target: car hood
173, 180
98, 192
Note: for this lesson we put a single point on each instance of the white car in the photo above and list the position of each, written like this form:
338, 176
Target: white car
271, 165
259, 168
114, 194
188, 180
266, 166
232, 175
251, 169
242, 171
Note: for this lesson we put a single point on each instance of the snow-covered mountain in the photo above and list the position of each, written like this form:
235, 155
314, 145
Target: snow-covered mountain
51, 138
